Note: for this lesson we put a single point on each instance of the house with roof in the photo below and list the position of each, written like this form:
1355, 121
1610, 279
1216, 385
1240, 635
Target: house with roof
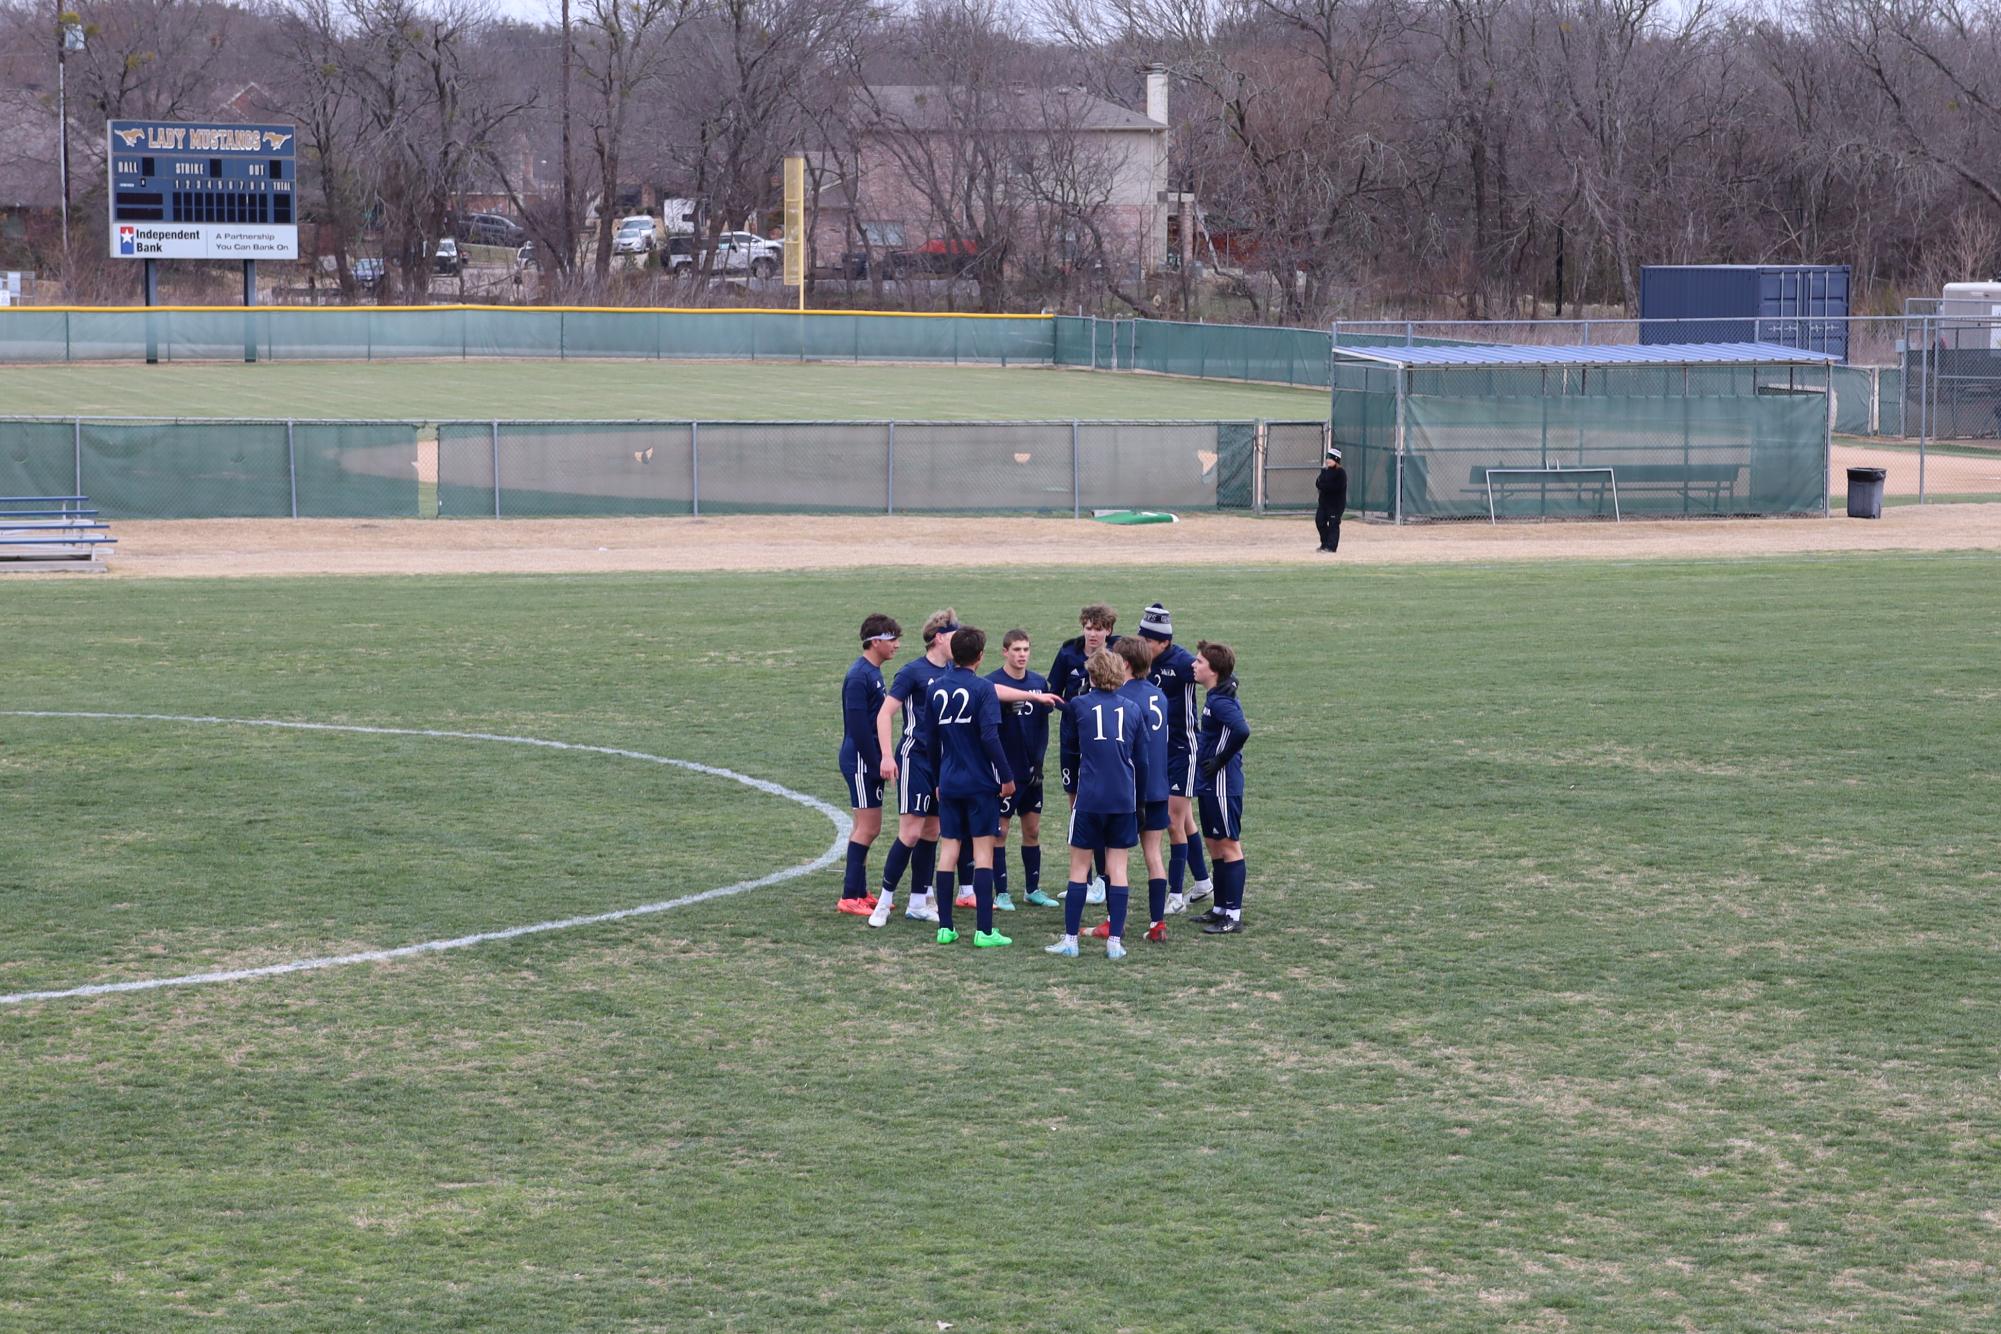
942, 172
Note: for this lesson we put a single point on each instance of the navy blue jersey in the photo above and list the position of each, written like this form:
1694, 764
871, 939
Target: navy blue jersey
1151, 755
962, 717
1174, 673
1024, 725
1108, 731
1069, 678
912, 682
861, 700
1221, 740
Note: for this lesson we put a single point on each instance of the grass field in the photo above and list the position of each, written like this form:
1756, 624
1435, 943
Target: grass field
1622, 956
627, 390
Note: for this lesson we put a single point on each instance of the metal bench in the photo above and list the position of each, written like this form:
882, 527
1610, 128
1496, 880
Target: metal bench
52, 533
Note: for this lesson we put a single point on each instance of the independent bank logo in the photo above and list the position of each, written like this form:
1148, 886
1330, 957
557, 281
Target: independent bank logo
128, 241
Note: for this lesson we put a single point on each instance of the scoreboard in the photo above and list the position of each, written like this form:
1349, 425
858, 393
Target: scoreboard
199, 190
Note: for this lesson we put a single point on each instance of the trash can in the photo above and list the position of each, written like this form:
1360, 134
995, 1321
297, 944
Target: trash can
1865, 493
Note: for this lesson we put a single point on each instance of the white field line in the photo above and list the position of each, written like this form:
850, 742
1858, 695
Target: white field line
833, 853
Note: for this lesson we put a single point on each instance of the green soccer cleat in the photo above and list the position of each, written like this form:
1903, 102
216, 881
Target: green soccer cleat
1041, 900
947, 936
987, 940
1002, 903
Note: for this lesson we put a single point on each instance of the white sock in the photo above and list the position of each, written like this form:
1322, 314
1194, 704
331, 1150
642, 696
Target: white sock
885, 898
1235, 913
1069, 940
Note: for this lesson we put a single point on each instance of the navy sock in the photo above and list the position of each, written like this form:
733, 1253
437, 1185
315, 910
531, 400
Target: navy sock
1198, 865
1116, 898
854, 885
1098, 861
1237, 869
945, 886
1000, 868
892, 866
983, 894
1177, 867
1031, 867
923, 865
1073, 907
1156, 900
966, 861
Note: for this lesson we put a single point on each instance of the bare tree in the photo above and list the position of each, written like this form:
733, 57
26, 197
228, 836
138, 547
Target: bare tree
315, 90
432, 103
623, 49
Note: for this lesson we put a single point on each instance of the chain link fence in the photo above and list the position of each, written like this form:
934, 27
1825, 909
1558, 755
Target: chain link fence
390, 333
1917, 394
169, 469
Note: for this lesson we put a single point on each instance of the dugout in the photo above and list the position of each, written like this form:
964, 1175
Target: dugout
1491, 432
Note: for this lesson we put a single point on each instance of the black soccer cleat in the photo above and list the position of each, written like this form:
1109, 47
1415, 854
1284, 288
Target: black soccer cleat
1229, 926
1211, 917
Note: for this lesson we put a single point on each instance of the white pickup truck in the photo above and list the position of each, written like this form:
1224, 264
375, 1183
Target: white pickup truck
736, 252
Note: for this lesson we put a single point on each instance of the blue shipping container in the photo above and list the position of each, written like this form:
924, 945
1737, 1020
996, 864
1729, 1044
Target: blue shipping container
1794, 305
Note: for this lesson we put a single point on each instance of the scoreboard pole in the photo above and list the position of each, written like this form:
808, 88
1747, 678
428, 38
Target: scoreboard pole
249, 302
152, 299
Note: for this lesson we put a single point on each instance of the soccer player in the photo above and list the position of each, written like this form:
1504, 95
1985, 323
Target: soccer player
1151, 762
963, 719
861, 755
1069, 678
910, 769
1174, 674
1108, 731
1025, 738
1219, 784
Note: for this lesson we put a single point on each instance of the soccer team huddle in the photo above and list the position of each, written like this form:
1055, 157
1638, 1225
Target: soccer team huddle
1140, 766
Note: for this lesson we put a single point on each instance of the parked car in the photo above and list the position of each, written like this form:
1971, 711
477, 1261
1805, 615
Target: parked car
679, 254
890, 256
366, 271
445, 259
527, 258
736, 252
881, 240
636, 235
491, 229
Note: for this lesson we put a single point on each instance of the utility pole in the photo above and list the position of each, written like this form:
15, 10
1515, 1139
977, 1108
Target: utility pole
69, 37
569, 173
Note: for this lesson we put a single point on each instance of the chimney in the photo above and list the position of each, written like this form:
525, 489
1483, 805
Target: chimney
1156, 93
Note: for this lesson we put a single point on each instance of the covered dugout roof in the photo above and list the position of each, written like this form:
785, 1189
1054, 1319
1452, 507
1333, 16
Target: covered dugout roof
1514, 356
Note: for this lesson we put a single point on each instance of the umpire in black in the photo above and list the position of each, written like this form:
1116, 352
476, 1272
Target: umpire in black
1332, 484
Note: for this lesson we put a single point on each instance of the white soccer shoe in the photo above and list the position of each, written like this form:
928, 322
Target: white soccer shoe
1176, 904
1201, 890
921, 909
1095, 892
879, 915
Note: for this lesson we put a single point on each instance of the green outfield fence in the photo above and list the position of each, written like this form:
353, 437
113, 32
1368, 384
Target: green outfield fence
160, 469
1869, 399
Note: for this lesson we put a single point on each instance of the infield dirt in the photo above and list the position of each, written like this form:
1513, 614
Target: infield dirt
249, 547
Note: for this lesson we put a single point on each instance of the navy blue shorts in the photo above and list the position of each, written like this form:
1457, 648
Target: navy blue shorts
1027, 800
864, 787
967, 818
916, 788
1154, 816
1180, 772
1094, 830
1221, 816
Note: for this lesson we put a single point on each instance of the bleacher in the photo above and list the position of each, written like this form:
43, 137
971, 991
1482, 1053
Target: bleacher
52, 533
